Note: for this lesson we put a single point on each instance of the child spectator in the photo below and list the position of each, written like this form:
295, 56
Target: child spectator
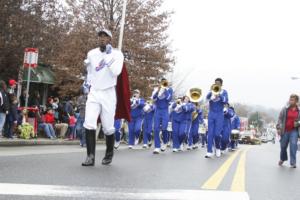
72, 126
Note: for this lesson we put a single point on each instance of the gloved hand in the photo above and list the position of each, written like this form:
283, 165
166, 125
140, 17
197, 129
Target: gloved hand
108, 49
225, 110
86, 62
86, 88
109, 58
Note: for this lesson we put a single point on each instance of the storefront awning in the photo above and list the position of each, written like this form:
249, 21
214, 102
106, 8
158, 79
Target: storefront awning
40, 74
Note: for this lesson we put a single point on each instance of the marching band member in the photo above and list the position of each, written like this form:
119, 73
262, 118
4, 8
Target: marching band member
161, 97
197, 118
135, 125
235, 125
104, 65
217, 98
186, 120
228, 114
176, 112
149, 110
118, 125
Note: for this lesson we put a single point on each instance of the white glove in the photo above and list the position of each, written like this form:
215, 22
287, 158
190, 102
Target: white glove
108, 49
147, 108
86, 88
225, 110
214, 98
86, 62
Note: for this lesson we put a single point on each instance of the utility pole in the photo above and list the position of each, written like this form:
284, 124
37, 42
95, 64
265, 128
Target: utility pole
122, 25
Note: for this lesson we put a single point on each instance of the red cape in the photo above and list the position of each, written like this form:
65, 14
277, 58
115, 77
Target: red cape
123, 96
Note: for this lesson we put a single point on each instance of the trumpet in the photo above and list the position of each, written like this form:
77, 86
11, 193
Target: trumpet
178, 101
163, 87
164, 84
216, 89
194, 94
150, 102
179, 105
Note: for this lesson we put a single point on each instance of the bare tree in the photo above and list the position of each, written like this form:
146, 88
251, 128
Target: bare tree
28, 24
64, 34
145, 39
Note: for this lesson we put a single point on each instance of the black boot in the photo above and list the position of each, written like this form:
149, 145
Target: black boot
110, 142
90, 147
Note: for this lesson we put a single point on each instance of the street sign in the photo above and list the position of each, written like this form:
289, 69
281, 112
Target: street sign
31, 57
30, 61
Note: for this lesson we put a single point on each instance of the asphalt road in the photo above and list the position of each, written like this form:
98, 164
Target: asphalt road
55, 172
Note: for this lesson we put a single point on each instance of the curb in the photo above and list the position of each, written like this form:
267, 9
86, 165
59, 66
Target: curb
33, 142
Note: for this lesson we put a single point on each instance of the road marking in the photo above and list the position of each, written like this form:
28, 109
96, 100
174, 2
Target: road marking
46, 150
215, 180
115, 193
238, 184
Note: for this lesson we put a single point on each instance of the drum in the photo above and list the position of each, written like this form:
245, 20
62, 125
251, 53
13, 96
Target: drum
235, 134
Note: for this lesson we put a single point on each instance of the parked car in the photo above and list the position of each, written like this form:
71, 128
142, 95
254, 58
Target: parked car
247, 137
268, 136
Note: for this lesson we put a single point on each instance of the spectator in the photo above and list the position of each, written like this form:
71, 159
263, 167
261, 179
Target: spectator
12, 87
23, 98
47, 128
79, 125
49, 116
69, 106
72, 126
55, 106
62, 128
288, 129
67, 110
35, 100
12, 117
62, 123
4, 105
50, 102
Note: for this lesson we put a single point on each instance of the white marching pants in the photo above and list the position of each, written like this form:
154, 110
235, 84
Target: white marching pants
103, 103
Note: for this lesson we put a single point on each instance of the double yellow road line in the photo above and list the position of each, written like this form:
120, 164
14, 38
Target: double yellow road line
238, 183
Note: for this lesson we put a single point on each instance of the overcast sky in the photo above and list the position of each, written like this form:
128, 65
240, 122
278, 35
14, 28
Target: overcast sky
253, 45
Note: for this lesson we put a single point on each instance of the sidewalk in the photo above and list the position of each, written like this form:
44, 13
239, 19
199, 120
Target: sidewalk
39, 141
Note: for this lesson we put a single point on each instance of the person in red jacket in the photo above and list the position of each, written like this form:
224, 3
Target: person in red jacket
288, 127
49, 116
49, 119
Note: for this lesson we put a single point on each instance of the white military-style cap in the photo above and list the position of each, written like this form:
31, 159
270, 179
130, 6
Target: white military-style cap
107, 32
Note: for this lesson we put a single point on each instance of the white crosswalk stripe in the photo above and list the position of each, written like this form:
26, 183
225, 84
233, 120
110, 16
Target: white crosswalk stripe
110, 193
